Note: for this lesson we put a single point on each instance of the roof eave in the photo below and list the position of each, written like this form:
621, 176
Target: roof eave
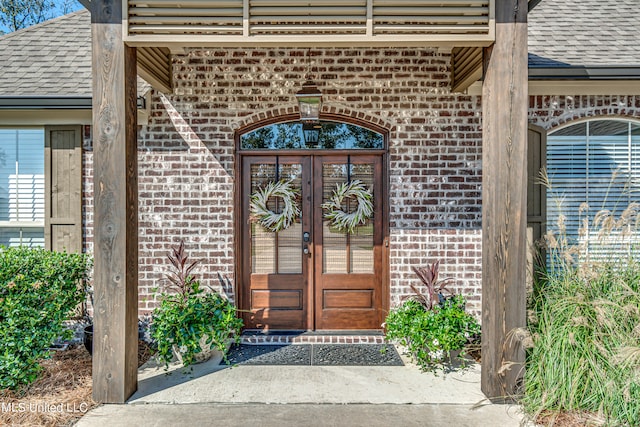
584, 73
35, 102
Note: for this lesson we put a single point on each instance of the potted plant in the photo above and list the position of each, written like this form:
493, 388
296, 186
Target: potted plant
192, 323
87, 321
433, 327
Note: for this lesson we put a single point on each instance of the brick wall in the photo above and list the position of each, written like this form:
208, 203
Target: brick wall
187, 161
187, 157
549, 112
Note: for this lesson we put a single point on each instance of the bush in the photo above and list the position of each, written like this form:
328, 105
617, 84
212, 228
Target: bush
431, 335
38, 292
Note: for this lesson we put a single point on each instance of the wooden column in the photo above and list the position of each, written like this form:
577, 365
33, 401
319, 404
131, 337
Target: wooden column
504, 201
115, 280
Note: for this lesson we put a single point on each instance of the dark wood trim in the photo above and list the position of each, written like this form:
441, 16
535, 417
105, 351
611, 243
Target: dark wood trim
115, 342
386, 227
504, 202
238, 267
536, 204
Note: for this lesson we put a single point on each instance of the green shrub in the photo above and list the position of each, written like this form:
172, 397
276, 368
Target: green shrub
38, 291
430, 335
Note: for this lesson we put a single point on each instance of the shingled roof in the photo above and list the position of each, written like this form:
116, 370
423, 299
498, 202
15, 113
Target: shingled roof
53, 59
584, 34
49, 59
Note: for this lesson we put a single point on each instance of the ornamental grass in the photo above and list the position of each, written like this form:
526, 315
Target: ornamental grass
585, 323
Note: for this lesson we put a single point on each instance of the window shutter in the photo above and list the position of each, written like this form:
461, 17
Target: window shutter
63, 188
536, 194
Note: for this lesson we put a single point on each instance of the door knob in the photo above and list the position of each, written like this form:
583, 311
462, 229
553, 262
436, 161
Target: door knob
305, 250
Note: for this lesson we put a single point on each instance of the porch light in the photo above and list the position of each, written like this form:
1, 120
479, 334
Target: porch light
310, 102
311, 133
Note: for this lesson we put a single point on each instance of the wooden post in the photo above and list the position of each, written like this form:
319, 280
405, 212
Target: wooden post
504, 201
115, 341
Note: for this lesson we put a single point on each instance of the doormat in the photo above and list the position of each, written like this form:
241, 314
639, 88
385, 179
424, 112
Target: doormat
315, 354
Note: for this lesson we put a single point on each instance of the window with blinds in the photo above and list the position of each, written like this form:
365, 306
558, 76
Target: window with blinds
22, 187
594, 169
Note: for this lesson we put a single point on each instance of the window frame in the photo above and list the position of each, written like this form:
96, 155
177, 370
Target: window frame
22, 226
619, 192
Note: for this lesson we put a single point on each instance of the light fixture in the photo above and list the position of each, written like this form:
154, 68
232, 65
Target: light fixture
310, 102
309, 98
311, 133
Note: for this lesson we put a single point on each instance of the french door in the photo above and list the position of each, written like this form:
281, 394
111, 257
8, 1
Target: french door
312, 275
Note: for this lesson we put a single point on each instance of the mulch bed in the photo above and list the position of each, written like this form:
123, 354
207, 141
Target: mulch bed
568, 419
61, 395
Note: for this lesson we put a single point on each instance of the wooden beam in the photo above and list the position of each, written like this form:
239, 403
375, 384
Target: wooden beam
504, 201
115, 342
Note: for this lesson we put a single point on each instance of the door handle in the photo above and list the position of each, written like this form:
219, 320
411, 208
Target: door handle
305, 250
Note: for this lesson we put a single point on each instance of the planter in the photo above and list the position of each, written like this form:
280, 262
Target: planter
453, 357
208, 352
88, 338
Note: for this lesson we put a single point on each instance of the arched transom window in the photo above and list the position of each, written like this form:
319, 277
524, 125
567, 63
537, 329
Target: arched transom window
325, 135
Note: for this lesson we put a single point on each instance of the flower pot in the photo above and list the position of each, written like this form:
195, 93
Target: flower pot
453, 356
88, 338
208, 351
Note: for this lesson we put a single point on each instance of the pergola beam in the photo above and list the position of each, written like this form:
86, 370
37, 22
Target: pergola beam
115, 343
504, 202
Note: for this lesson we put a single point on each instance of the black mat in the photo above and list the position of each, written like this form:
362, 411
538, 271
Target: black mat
315, 354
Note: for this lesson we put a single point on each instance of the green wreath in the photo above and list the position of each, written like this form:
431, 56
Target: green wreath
348, 221
270, 220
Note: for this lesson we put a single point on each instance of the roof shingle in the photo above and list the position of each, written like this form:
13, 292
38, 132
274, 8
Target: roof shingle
49, 59
583, 33
54, 58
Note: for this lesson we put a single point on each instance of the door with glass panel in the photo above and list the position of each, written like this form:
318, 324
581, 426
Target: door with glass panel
311, 271
275, 292
348, 254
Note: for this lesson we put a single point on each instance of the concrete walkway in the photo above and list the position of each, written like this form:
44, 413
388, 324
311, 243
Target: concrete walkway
305, 396
241, 415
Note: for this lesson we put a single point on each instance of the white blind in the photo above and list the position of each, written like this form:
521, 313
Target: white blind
22, 186
594, 164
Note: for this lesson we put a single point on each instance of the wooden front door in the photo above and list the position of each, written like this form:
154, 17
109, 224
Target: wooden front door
312, 276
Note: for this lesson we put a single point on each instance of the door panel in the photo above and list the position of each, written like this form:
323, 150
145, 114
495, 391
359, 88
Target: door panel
348, 266
277, 272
